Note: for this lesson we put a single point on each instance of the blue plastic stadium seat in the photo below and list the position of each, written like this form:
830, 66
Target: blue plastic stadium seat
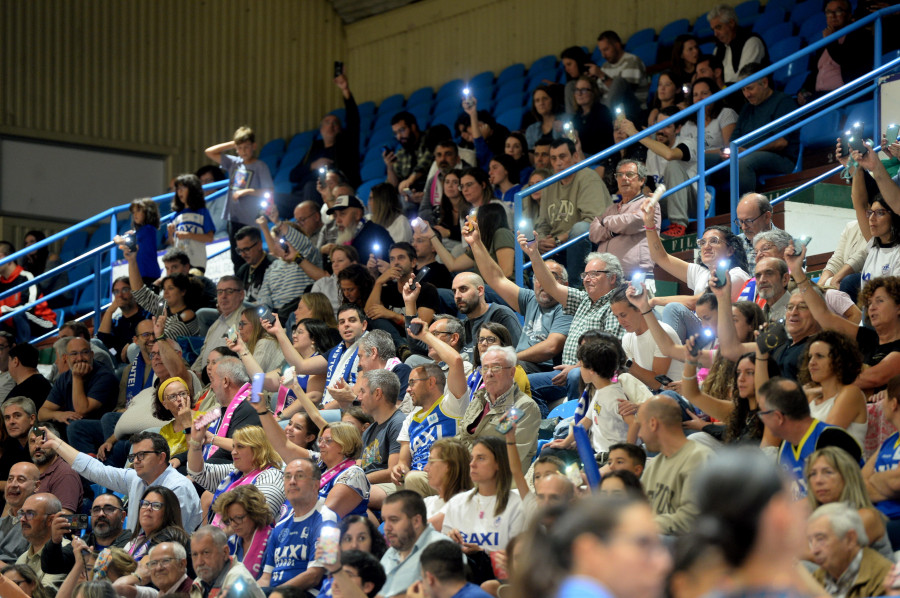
668, 33
803, 11
773, 13
363, 192
795, 82
391, 105
451, 104
563, 410
654, 83
708, 48
423, 95
822, 131
301, 140
597, 57
769, 20
484, 80
449, 89
380, 137
786, 5
514, 100
889, 56
794, 68
747, 12
422, 114
543, 63
513, 71
372, 154
513, 86
446, 118
702, 29
539, 79
511, 119
811, 29
646, 52
75, 243
784, 48
774, 34
639, 38
373, 170
275, 147
271, 161
860, 112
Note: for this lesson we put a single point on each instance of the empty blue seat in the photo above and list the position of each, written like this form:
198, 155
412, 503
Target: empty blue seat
380, 137
513, 86
889, 56
794, 83
784, 48
513, 100
511, 119
708, 48
447, 118
391, 105
451, 104
804, 11
668, 33
301, 140
639, 38
702, 29
372, 154
821, 132
449, 89
563, 410
786, 5
422, 114
289, 161
543, 63
769, 19
811, 29
422, 95
646, 52
773, 35
373, 170
76, 241
797, 67
271, 160
747, 12
537, 79
366, 109
273, 148
862, 112
484, 80
513, 71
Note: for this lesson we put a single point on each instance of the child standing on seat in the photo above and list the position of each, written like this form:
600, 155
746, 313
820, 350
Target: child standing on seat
192, 228
145, 226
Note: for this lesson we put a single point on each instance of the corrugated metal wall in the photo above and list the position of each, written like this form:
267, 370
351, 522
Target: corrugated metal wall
432, 42
165, 76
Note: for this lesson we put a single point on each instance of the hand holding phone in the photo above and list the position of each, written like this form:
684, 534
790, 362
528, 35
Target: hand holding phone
338, 68
256, 389
265, 314
800, 243
505, 424
721, 273
419, 277
637, 281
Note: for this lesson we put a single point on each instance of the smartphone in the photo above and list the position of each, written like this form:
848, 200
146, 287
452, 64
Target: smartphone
467, 97
512, 415
77, 522
701, 340
415, 327
637, 281
663, 379
421, 274
417, 224
231, 335
338, 68
130, 242
284, 244
202, 422
386, 149
620, 113
800, 243
470, 219
329, 545
569, 132
323, 172
263, 207
893, 133
38, 432
257, 387
265, 313
771, 337
852, 140
722, 273
289, 376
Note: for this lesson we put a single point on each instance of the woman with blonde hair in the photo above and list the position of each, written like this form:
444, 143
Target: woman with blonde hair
245, 512
254, 461
386, 210
258, 342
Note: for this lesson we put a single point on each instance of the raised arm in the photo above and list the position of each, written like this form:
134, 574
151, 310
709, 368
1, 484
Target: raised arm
214, 152
674, 266
813, 299
456, 376
454, 264
311, 366
277, 438
886, 185
730, 346
558, 291
490, 270
720, 409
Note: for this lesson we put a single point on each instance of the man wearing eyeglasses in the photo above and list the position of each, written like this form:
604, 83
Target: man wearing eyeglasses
150, 460
229, 298
35, 517
754, 216
167, 563
85, 391
107, 519
248, 244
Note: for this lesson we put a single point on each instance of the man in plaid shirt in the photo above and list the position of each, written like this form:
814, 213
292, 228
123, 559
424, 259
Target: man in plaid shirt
409, 165
590, 310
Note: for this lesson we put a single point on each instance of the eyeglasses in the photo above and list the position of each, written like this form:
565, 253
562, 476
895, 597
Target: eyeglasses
239, 519
488, 340
712, 242
246, 250
178, 395
153, 506
243, 323
766, 248
441, 332
154, 355
767, 412
161, 562
469, 184
495, 369
835, 13
583, 90
228, 292
4, 347
627, 175
108, 510
418, 379
26, 515
879, 213
84, 353
593, 274
304, 219
146, 335
138, 457
293, 476
117, 292
746, 221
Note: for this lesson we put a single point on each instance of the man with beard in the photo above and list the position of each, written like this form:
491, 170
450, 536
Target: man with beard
438, 274
546, 326
407, 532
18, 418
385, 304
772, 280
35, 516
366, 237
214, 566
429, 422
107, 521
22, 482
468, 292
117, 333
57, 477
411, 162
290, 553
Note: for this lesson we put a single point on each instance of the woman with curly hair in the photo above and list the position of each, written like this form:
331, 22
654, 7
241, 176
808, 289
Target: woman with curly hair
829, 367
245, 512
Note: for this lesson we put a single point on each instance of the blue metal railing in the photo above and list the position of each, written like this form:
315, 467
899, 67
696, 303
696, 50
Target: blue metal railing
97, 255
732, 162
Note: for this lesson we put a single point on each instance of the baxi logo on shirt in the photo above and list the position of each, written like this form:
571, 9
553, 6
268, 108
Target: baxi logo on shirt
483, 540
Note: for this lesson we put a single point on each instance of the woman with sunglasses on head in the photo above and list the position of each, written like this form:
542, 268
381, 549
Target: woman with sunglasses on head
159, 520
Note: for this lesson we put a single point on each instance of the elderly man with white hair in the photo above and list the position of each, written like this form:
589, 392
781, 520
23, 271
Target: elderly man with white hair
754, 216
491, 403
848, 568
167, 564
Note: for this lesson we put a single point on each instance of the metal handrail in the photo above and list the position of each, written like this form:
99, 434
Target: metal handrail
732, 162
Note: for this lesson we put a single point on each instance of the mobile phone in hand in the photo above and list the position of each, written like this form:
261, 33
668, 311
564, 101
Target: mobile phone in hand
338, 68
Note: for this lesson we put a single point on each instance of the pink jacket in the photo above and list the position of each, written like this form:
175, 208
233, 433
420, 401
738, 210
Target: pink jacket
620, 231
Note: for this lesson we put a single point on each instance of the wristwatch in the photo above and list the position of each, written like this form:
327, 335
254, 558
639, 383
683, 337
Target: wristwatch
628, 364
557, 241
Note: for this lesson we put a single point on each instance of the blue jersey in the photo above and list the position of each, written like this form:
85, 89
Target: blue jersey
292, 546
425, 427
793, 458
888, 458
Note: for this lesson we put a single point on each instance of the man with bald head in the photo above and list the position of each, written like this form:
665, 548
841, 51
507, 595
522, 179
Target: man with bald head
309, 217
754, 216
553, 490
22, 482
468, 293
35, 517
668, 476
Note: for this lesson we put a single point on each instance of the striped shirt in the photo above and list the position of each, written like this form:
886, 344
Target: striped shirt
175, 326
587, 315
270, 482
284, 282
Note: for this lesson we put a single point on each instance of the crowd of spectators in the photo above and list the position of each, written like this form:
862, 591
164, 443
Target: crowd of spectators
366, 406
